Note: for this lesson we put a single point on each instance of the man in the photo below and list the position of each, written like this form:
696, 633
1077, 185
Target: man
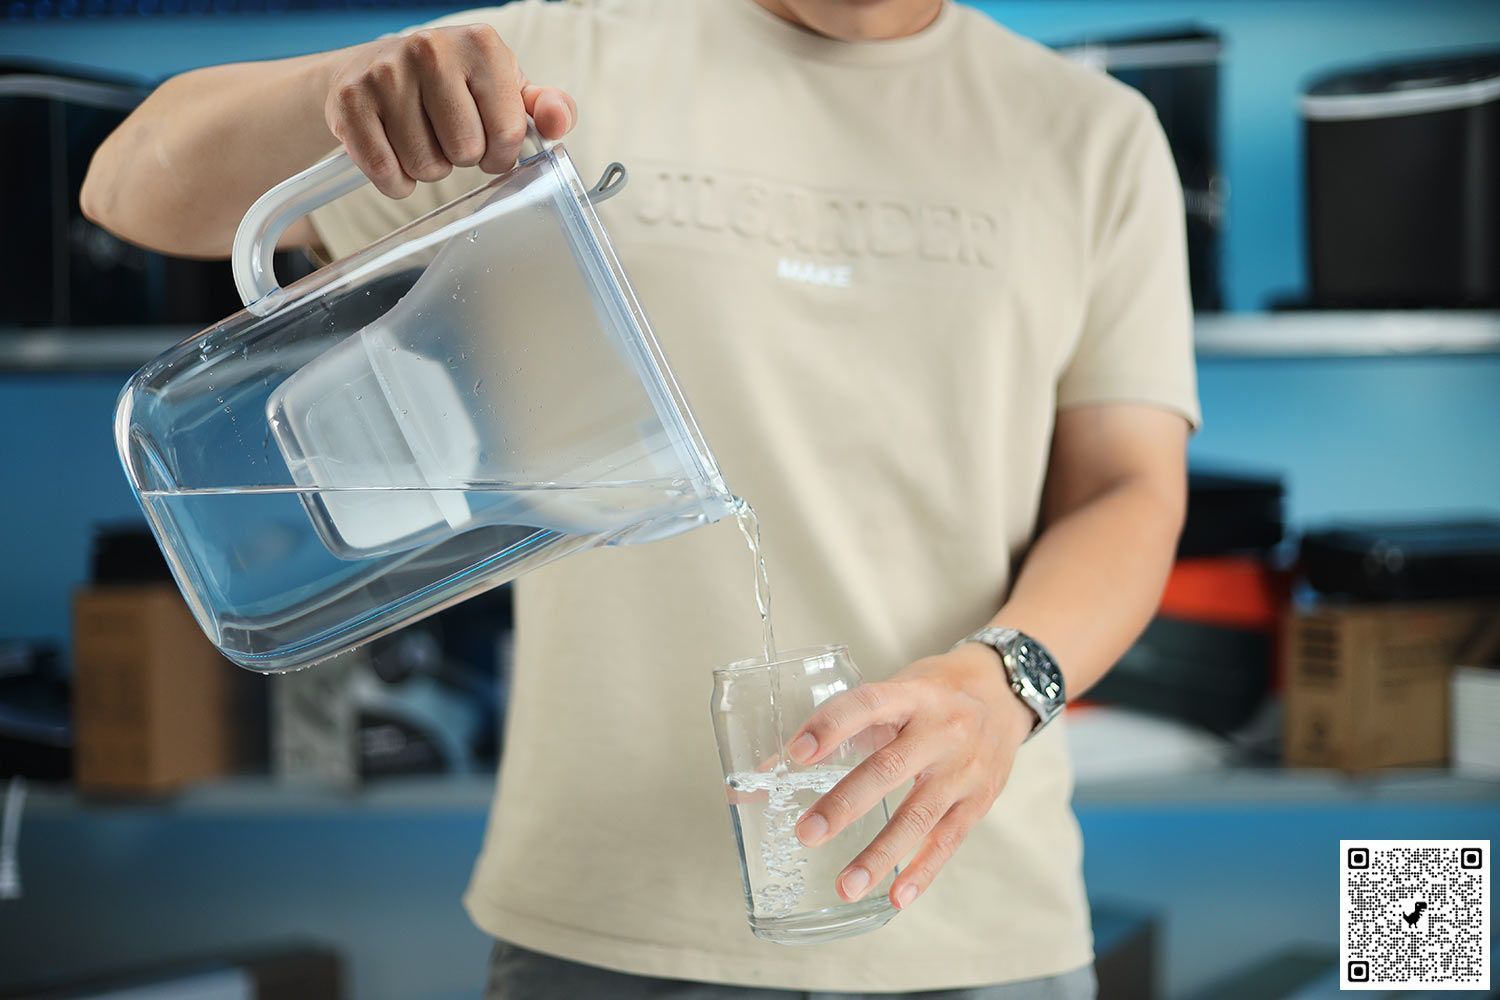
924, 284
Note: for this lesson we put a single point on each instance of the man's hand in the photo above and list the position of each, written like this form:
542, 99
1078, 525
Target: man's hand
957, 727
180, 171
414, 107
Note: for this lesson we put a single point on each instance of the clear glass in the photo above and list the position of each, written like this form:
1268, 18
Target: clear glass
790, 890
474, 395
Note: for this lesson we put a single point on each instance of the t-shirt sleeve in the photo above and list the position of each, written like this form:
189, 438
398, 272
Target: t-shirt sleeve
538, 33
1136, 344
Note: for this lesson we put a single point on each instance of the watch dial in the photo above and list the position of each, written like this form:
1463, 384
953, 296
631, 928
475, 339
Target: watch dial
1038, 668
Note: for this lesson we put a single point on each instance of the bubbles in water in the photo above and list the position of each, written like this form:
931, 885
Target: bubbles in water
473, 236
782, 855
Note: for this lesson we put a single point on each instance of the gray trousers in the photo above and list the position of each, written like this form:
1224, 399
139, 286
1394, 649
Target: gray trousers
519, 974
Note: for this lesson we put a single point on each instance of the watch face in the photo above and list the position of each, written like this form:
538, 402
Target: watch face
1033, 663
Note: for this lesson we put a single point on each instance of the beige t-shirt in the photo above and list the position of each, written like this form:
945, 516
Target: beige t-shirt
877, 269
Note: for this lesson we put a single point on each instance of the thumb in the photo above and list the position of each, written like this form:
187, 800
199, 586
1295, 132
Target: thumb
553, 110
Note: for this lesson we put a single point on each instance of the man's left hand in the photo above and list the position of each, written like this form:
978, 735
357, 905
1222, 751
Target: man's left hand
957, 726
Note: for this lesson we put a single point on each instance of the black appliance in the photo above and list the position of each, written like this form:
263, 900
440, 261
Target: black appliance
1206, 674
58, 269
36, 732
1211, 671
1229, 514
1403, 184
1404, 561
1178, 72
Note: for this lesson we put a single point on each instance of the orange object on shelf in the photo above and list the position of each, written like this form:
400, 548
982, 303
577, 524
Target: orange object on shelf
1237, 591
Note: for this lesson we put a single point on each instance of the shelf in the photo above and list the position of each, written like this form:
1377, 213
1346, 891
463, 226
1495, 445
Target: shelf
1248, 786
1337, 334
86, 349
472, 793
1218, 335
438, 793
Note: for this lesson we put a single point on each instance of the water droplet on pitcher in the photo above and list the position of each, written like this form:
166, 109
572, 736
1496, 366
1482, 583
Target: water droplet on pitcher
473, 236
477, 383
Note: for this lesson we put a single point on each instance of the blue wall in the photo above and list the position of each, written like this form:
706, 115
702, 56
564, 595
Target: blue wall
1399, 435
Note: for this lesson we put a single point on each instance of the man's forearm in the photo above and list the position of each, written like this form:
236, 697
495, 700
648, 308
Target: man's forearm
1094, 577
180, 172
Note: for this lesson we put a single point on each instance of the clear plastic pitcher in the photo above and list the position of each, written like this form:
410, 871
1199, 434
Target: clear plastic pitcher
472, 396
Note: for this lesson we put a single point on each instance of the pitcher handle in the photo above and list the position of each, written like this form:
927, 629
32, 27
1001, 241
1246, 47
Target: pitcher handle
330, 178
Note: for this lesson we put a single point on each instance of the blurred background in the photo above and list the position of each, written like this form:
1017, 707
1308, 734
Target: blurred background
1324, 664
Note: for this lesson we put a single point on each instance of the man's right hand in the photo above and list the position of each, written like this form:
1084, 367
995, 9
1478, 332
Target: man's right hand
179, 173
413, 107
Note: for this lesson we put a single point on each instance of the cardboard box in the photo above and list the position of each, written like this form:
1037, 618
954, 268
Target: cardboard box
1476, 705
1367, 685
151, 694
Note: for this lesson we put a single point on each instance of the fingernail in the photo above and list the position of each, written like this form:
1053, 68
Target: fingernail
803, 747
905, 895
854, 883
812, 829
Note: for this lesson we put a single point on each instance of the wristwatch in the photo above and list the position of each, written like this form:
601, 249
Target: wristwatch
1031, 670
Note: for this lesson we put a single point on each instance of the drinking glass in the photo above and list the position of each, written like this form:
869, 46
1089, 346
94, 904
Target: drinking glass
790, 890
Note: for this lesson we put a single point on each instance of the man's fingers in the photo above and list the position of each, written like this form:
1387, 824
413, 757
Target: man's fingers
859, 790
944, 839
913, 820
354, 119
504, 118
846, 715
554, 111
454, 117
411, 136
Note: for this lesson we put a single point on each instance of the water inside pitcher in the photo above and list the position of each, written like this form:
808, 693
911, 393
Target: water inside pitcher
472, 396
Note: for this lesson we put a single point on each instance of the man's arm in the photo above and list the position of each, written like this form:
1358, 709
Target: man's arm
179, 173
1115, 498
1113, 508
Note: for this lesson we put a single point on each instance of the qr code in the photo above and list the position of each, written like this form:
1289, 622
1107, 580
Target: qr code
1414, 914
